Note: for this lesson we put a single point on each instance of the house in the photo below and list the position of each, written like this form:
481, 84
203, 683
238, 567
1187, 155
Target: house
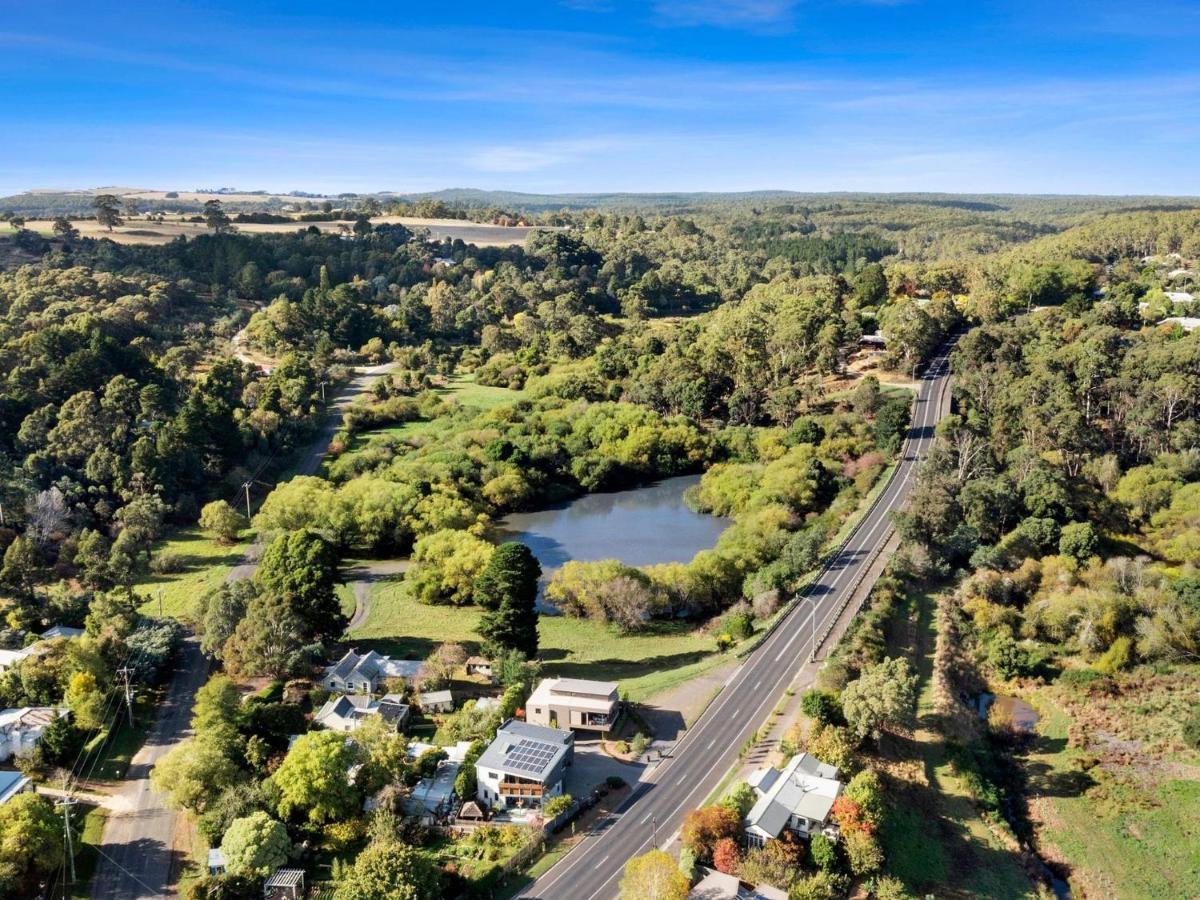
1187, 323
346, 712
361, 673
573, 703
216, 862
12, 657
21, 729
799, 798
13, 783
477, 665
284, 884
719, 886
523, 766
872, 340
1179, 296
62, 631
436, 701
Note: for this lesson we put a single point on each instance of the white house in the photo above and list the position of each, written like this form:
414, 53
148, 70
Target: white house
524, 766
798, 798
1187, 323
62, 631
345, 712
21, 729
362, 672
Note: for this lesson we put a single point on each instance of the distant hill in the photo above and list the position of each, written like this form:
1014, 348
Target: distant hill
43, 203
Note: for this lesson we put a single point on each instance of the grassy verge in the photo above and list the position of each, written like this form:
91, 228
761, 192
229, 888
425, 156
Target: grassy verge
205, 564
646, 663
92, 819
933, 837
107, 754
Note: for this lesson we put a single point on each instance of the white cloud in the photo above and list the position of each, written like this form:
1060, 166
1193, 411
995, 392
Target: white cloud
748, 14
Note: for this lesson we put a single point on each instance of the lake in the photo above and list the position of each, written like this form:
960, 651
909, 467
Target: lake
640, 527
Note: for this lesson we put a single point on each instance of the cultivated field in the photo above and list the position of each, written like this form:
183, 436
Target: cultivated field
140, 231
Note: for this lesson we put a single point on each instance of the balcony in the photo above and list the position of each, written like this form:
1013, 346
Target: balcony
520, 789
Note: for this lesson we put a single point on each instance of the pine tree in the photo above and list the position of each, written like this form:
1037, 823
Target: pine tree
507, 590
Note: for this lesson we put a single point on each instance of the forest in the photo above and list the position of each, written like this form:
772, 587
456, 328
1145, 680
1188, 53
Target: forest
148, 391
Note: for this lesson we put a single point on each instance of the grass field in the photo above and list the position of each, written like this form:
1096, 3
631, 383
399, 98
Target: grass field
1130, 826
460, 388
644, 664
936, 839
206, 563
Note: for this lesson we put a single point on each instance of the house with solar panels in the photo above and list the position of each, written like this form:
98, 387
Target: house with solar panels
524, 766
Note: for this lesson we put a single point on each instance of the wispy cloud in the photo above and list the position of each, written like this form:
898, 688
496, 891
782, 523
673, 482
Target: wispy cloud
752, 15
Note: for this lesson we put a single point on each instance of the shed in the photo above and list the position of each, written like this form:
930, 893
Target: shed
284, 884
436, 701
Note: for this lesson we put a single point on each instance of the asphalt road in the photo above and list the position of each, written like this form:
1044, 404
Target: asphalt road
699, 761
138, 856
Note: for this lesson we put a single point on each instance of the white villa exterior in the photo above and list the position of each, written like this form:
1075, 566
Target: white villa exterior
523, 767
798, 798
361, 673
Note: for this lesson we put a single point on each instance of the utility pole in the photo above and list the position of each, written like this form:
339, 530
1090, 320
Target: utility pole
66, 803
323, 383
1, 514
246, 487
160, 603
124, 673
654, 830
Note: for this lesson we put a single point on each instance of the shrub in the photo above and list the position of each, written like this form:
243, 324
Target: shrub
167, 563
556, 806
862, 852
615, 781
704, 828
823, 707
638, 745
1191, 728
1118, 656
740, 799
824, 853
726, 856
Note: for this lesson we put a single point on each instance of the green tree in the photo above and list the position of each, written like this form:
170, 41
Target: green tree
1079, 541
31, 844
313, 782
389, 870
255, 845
222, 521
507, 590
653, 876
108, 210
85, 700
215, 217
882, 695
740, 799
301, 569
64, 229
194, 774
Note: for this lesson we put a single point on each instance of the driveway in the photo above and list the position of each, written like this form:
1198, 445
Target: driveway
592, 766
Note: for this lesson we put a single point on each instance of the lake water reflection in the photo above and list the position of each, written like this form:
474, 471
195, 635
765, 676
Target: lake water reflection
640, 527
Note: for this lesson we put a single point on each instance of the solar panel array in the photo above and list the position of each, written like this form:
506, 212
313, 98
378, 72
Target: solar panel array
531, 756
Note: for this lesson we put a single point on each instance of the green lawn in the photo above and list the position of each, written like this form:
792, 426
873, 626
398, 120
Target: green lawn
644, 664
206, 563
464, 390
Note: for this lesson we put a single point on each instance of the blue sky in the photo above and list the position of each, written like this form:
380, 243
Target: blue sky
603, 95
